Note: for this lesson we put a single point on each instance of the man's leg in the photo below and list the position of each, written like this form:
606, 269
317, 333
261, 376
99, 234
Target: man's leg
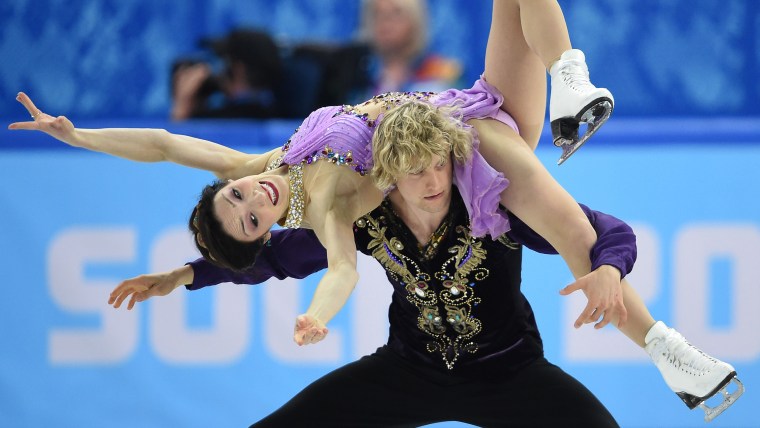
538, 395
375, 391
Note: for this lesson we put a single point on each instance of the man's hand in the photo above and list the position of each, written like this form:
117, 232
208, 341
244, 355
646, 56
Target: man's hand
605, 297
143, 287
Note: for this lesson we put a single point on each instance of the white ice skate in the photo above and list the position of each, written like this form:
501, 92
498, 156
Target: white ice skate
574, 100
690, 373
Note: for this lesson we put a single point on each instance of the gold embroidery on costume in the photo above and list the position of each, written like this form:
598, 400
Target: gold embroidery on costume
388, 252
445, 314
430, 250
507, 242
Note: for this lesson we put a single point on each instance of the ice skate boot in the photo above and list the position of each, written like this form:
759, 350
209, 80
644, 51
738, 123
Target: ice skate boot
693, 375
575, 101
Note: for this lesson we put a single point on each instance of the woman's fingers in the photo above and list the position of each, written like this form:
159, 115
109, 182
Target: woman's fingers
27, 102
37, 115
33, 111
308, 330
24, 126
315, 334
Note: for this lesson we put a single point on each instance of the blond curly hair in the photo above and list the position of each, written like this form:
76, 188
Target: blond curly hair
411, 134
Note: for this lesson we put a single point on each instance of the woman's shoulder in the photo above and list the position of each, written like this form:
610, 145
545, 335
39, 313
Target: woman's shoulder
273, 159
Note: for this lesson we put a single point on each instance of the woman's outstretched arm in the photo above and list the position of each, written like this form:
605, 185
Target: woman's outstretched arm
337, 236
142, 145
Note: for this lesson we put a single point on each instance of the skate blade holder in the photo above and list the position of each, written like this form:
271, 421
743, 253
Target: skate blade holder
594, 115
729, 398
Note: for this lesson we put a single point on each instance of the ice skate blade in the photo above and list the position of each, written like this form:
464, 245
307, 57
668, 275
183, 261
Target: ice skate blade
728, 400
568, 148
565, 130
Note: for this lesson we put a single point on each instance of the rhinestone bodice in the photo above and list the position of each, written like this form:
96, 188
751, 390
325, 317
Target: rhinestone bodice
343, 134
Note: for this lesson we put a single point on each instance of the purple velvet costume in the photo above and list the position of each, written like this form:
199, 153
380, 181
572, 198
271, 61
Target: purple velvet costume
339, 135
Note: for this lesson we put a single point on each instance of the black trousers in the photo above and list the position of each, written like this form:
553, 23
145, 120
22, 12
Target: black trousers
385, 390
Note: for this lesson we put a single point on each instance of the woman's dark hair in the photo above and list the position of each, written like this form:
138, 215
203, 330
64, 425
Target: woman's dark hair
216, 245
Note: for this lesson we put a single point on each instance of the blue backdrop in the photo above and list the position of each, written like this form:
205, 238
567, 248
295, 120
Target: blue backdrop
77, 223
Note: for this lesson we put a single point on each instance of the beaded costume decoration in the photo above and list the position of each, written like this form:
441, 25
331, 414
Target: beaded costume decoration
295, 179
446, 299
336, 151
343, 135
296, 207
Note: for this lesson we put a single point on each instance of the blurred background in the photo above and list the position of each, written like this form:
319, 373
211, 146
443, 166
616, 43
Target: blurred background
679, 160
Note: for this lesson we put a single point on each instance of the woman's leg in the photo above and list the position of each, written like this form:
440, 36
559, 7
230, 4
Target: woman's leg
516, 71
535, 196
639, 319
544, 29
670, 351
528, 37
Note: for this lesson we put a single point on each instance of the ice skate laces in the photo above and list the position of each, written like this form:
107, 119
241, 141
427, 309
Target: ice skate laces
575, 75
679, 353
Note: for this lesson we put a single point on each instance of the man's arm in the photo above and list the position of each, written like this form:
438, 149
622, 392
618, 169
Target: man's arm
290, 253
615, 244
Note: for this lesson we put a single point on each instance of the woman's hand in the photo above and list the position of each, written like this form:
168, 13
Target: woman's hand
58, 127
308, 330
142, 144
143, 287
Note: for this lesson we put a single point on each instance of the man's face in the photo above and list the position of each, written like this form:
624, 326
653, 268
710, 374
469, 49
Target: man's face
428, 189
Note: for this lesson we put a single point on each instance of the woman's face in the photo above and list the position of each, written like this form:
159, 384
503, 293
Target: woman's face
249, 206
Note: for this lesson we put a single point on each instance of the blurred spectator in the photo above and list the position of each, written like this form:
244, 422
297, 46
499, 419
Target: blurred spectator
392, 55
264, 80
398, 34
244, 88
